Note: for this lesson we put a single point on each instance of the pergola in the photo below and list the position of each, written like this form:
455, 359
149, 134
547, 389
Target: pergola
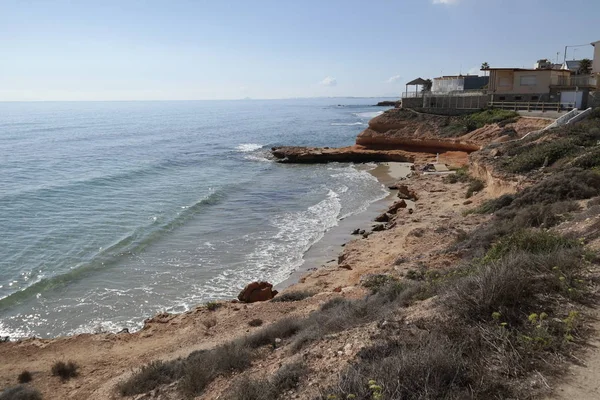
416, 83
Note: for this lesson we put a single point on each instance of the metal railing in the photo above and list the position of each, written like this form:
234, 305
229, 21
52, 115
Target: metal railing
413, 95
470, 92
581, 81
529, 106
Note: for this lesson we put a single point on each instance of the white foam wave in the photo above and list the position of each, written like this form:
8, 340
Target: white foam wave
277, 255
254, 157
370, 114
248, 147
346, 124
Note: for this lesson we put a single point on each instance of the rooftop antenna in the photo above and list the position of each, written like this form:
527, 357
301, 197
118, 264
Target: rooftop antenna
557, 54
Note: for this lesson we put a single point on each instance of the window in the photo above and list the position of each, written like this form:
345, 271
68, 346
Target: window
502, 98
517, 98
535, 98
528, 80
505, 82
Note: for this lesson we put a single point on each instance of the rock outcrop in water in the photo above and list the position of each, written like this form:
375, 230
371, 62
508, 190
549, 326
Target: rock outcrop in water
404, 135
355, 154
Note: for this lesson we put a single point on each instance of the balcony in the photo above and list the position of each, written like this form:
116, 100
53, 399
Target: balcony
581, 81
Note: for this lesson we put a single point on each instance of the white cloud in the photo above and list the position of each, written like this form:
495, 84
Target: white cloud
448, 2
329, 81
394, 79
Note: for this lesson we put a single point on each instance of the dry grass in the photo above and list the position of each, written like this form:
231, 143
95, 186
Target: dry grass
292, 296
25, 377
286, 378
65, 370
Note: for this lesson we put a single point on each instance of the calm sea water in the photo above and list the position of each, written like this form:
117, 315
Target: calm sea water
113, 211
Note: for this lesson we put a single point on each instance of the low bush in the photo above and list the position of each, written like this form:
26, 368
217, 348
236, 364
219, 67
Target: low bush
475, 186
150, 376
433, 368
292, 296
492, 205
213, 305
571, 184
65, 370
255, 322
25, 377
286, 378
530, 241
282, 329
20, 392
202, 367
459, 175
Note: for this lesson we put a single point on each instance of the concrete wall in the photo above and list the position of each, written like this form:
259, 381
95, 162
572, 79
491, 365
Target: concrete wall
596, 61
412, 102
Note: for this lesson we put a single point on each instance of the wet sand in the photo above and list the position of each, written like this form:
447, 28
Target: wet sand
327, 250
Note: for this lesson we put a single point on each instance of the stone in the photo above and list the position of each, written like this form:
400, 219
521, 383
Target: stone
405, 193
124, 330
361, 232
257, 291
495, 153
356, 232
382, 218
345, 266
396, 206
338, 289
379, 227
466, 203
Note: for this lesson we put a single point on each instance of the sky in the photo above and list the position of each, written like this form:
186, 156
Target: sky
231, 49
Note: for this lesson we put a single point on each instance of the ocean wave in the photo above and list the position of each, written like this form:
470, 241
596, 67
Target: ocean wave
133, 243
276, 256
248, 147
346, 124
369, 115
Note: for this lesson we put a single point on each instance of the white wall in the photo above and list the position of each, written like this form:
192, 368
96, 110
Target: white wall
596, 62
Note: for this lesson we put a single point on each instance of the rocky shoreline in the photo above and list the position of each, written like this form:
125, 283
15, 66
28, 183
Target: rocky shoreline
425, 217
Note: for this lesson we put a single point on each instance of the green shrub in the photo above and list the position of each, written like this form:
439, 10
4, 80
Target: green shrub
284, 328
286, 378
459, 175
20, 392
492, 205
475, 186
531, 241
150, 376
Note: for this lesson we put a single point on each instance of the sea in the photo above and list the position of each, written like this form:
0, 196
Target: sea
111, 212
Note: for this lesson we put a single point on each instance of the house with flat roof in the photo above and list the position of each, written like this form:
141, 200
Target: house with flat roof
539, 85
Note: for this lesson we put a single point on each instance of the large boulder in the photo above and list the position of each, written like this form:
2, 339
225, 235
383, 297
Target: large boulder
405, 193
257, 291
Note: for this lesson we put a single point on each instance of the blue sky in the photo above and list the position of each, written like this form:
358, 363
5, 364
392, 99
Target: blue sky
178, 50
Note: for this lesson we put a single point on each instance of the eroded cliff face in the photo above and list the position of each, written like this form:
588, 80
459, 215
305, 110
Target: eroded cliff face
417, 132
411, 131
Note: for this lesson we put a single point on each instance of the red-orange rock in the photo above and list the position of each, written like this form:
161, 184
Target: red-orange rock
257, 291
396, 206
